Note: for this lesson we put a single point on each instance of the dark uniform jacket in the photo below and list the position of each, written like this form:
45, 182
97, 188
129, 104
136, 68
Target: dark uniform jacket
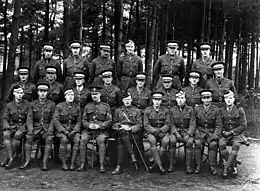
67, 117
39, 69
15, 115
82, 97
97, 113
156, 119
234, 120
71, 65
169, 97
183, 120
208, 122
192, 95
133, 119
219, 86
141, 99
29, 90
166, 65
203, 67
40, 116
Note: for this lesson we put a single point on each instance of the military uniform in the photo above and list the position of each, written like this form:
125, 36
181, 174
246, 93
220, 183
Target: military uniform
167, 65
204, 67
128, 66
192, 95
72, 64
67, 122
169, 99
28, 89
157, 126
183, 124
141, 99
209, 127
95, 113
14, 126
82, 97
39, 126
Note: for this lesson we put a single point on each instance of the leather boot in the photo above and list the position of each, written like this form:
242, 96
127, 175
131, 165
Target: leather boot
212, 162
4, 162
73, 158
102, 152
9, 164
232, 156
27, 157
15, 145
9, 150
189, 161
157, 159
47, 150
171, 160
64, 166
82, 155
117, 170
198, 161
134, 162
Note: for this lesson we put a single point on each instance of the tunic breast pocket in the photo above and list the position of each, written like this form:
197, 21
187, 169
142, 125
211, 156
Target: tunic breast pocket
63, 117
36, 113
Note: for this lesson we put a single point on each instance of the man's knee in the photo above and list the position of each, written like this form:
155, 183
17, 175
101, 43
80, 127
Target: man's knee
29, 139
198, 144
18, 135
84, 138
165, 141
101, 139
172, 140
49, 140
76, 138
6, 135
152, 140
190, 142
213, 145
236, 146
222, 144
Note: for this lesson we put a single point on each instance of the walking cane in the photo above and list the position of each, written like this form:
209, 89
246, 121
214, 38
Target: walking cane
140, 153
92, 156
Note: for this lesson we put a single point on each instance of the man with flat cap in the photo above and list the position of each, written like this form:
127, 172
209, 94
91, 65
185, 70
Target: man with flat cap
56, 88
183, 124
81, 92
73, 63
128, 124
40, 124
128, 66
219, 84
67, 122
96, 121
169, 92
234, 125
192, 91
47, 60
203, 64
141, 95
209, 128
14, 124
157, 126
110, 93
169, 63
101, 63
29, 90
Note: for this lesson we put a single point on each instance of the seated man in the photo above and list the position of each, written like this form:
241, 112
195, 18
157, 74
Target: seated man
183, 125
156, 125
39, 124
67, 121
209, 127
234, 124
14, 124
96, 120
127, 122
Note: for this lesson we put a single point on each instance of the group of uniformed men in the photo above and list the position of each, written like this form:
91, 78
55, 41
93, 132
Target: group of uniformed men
100, 99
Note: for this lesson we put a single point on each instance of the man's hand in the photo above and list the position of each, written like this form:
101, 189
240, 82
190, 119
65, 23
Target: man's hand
214, 138
227, 133
92, 126
126, 127
71, 134
161, 135
65, 132
186, 138
157, 131
178, 136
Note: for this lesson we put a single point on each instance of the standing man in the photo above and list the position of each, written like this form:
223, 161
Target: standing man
169, 63
219, 84
67, 122
141, 95
29, 90
14, 124
73, 63
39, 124
169, 92
128, 123
203, 64
183, 124
234, 125
209, 127
101, 63
157, 125
96, 120
192, 91
39, 68
128, 66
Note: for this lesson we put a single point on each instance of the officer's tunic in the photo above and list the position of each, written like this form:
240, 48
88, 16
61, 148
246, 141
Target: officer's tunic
169, 98
141, 99
192, 95
29, 90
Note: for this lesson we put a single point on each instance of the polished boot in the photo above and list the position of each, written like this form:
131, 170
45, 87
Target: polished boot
47, 150
102, 168
102, 152
9, 150
81, 167
189, 161
198, 161
171, 160
27, 157
213, 170
64, 166
73, 158
9, 164
212, 162
4, 162
117, 170
231, 158
82, 156
158, 160
134, 162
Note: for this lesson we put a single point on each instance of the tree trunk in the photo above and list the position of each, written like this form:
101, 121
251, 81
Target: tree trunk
46, 21
127, 36
66, 21
5, 39
138, 47
222, 39
252, 63
30, 46
257, 65
243, 60
104, 21
21, 46
238, 64
209, 21
81, 21
156, 35
202, 36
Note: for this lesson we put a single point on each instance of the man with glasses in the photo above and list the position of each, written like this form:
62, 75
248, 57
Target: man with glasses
219, 84
203, 64
73, 63
29, 90
169, 63
39, 124
39, 68
128, 66
209, 127
101, 63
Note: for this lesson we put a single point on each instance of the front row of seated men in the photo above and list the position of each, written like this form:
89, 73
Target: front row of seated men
204, 123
